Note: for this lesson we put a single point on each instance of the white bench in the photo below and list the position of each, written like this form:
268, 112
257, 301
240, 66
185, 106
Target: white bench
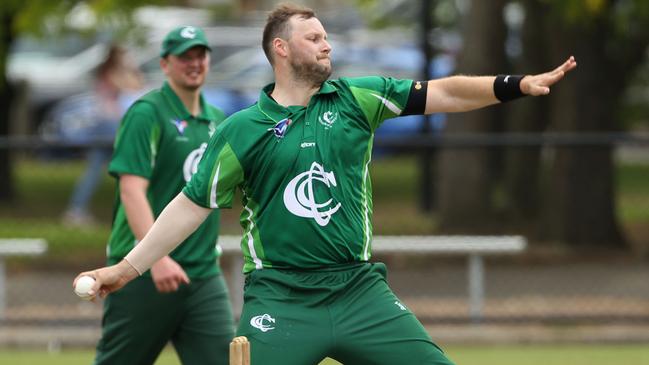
16, 247
474, 247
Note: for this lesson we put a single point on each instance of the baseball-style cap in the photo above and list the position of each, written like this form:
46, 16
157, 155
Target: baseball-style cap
183, 38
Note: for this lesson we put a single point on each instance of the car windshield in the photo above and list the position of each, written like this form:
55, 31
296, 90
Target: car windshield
52, 47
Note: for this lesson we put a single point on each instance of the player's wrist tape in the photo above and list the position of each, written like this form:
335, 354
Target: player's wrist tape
508, 87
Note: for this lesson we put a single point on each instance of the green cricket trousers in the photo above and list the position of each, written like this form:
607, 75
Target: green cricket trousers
139, 321
347, 313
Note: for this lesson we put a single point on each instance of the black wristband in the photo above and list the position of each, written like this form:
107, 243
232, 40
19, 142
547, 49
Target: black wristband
508, 87
416, 104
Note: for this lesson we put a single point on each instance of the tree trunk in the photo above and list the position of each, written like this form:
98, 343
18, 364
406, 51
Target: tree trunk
465, 188
529, 115
580, 207
6, 98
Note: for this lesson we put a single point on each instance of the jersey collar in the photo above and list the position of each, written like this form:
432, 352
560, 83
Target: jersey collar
278, 112
179, 108
327, 88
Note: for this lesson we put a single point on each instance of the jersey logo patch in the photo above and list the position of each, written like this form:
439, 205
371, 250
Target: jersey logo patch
328, 118
180, 125
191, 162
263, 322
299, 198
280, 128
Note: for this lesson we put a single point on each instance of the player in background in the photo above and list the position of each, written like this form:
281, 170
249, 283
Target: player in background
183, 298
301, 158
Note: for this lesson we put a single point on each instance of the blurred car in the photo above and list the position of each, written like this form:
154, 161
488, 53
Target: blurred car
55, 68
52, 69
239, 69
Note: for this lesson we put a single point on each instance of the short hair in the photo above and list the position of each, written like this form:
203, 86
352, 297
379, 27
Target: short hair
277, 24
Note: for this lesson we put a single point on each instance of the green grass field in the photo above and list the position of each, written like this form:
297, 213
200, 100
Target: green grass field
462, 355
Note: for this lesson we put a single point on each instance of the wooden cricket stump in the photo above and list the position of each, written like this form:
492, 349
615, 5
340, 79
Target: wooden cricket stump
240, 351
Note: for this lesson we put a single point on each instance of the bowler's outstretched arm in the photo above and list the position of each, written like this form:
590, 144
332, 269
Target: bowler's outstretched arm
464, 93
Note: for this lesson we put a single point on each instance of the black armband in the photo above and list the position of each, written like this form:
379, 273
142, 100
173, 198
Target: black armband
508, 87
416, 104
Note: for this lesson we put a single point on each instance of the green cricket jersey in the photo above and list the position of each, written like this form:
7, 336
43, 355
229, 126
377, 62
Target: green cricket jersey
303, 171
161, 141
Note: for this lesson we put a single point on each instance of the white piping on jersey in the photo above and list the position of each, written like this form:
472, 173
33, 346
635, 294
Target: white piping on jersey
367, 210
213, 203
395, 109
251, 240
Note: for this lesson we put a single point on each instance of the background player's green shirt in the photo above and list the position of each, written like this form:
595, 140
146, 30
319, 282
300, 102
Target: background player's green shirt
161, 141
303, 171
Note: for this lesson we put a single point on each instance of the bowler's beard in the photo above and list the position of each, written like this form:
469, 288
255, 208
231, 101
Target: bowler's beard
313, 74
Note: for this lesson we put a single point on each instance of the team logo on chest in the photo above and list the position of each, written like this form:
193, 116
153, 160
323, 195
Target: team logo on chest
300, 200
328, 118
279, 130
180, 125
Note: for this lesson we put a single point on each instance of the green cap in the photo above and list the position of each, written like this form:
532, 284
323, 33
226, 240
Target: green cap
183, 38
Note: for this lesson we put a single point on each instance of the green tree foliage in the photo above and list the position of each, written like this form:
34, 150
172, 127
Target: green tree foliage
39, 17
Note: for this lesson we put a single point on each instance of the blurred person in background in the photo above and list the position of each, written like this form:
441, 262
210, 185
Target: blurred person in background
114, 77
184, 298
301, 158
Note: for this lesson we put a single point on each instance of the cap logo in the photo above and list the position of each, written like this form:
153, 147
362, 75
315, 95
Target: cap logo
188, 32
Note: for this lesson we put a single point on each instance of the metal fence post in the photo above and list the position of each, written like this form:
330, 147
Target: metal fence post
476, 286
3, 288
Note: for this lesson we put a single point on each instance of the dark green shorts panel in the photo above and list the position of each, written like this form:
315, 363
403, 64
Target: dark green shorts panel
138, 322
350, 314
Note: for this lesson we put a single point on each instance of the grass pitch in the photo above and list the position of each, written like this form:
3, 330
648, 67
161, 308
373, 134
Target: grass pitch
593, 354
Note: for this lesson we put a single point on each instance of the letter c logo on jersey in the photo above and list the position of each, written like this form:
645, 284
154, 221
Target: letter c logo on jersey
263, 322
191, 162
328, 119
299, 198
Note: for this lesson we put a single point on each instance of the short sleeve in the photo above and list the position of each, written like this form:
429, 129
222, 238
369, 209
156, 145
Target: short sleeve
136, 143
380, 98
218, 175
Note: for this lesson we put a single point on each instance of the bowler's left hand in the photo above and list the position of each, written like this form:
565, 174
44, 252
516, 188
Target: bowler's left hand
536, 85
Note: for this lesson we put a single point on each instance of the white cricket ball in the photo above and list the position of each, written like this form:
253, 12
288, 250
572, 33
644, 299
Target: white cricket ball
83, 286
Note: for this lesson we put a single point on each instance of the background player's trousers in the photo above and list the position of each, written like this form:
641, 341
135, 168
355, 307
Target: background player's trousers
138, 322
347, 313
